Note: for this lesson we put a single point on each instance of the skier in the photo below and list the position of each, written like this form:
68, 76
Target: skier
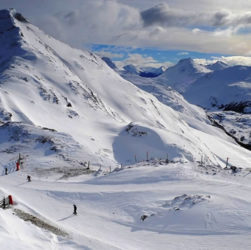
28, 178
6, 171
74, 209
4, 203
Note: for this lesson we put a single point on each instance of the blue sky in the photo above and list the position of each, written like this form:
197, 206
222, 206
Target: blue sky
119, 53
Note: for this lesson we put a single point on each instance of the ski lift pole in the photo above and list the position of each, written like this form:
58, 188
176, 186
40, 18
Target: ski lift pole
227, 162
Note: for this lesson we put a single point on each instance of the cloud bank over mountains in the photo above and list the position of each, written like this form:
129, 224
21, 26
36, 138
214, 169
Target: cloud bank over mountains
203, 26
165, 16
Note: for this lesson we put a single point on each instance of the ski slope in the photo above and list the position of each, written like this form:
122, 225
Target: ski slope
186, 207
64, 109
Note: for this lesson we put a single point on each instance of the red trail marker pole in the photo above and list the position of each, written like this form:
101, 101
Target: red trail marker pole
10, 200
17, 166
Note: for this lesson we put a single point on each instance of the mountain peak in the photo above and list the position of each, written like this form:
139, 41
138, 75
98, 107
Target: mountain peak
8, 18
219, 65
188, 60
189, 66
130, 68
183, 74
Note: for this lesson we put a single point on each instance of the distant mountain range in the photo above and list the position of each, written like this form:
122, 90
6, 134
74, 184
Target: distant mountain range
148, 72
215, 87
209, 85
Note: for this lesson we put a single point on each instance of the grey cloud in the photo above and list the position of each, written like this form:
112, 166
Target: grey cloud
220, 18
201, 5
243, 19
84, 22
93, 21
163, 15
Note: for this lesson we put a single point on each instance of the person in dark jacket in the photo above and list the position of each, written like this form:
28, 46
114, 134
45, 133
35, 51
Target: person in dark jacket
28, 178
4, 203
74, 209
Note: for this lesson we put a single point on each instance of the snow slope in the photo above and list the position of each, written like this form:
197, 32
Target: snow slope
195, 116
235, 124
230, 85
228, 91
146, 206
49, 84
183, 74
225, 89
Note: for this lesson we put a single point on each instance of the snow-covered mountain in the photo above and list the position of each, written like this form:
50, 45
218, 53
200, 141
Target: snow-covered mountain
182, 75
217, 66
224, 87
151, 72
228, 91
46, 83
130, 69
110, 63
64, 110
146, 72
221, 87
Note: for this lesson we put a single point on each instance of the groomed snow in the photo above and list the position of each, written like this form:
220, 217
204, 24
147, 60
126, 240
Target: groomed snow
185, 208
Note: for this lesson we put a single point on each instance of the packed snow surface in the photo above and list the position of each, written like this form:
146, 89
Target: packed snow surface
146, 206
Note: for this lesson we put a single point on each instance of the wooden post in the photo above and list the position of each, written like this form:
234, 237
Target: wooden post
167, 161
19, 158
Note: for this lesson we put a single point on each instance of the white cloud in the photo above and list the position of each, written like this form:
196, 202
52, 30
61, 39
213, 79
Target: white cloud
202, 5
183, 53
119, 22
163, 15
94, 21
230, 60
235, 60
109, 54
141, 61
185, 39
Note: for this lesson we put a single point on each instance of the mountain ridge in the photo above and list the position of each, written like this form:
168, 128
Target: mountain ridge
72, 91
